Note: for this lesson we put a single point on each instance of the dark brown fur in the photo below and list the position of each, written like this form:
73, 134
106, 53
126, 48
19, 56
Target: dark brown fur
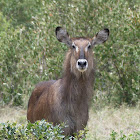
67, 99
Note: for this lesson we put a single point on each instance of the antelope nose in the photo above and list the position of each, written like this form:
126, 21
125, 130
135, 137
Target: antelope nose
82, 63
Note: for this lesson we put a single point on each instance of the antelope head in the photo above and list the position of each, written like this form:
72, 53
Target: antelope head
81, 60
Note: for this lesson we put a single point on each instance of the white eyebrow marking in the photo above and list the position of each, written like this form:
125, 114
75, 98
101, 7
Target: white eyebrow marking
77, 49
86, 49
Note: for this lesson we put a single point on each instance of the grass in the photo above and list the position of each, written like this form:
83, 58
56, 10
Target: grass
101, 122
12, 114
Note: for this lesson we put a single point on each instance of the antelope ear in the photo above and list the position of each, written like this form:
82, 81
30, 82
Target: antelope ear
101, 37
63, 36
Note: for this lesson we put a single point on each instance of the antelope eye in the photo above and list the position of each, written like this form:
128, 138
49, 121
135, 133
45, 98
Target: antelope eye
73, 47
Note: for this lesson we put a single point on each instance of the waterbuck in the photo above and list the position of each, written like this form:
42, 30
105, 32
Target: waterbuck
67, 99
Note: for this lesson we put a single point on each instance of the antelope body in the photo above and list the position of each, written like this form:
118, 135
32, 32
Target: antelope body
67, 99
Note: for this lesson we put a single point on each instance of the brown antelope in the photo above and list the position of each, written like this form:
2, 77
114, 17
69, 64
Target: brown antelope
67, 99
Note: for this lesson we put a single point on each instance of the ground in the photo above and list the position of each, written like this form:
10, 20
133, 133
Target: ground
101, 122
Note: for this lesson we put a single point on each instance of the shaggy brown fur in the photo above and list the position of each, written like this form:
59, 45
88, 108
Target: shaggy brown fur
67, 99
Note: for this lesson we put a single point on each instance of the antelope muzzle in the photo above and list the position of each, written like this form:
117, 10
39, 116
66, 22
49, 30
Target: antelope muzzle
82, 65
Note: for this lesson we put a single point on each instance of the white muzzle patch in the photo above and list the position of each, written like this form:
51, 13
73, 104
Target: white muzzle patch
82, 65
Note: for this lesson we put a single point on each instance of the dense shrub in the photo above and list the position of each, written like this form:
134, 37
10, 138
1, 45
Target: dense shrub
29, 51
40, 130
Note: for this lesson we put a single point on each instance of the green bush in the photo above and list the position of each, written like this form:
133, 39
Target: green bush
40, 130
30, 53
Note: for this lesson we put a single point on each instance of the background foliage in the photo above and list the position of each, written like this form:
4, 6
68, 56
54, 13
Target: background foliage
30, 53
